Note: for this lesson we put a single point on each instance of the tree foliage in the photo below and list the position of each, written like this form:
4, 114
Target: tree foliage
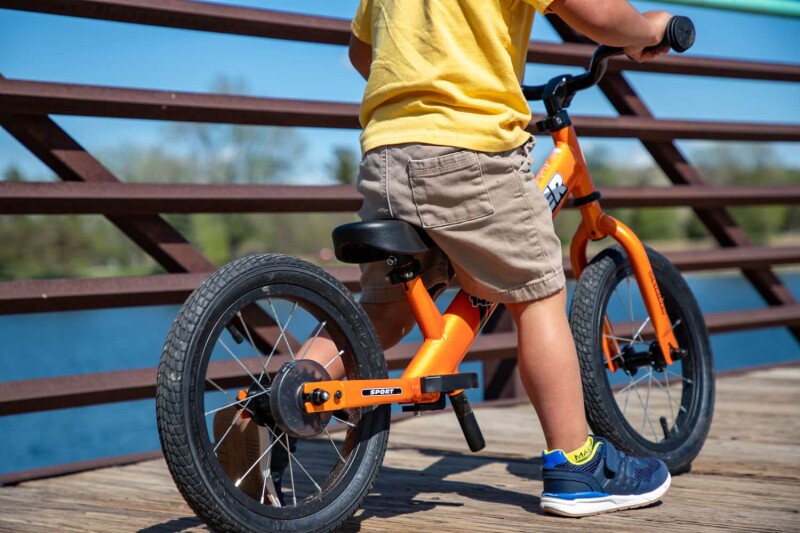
77, 246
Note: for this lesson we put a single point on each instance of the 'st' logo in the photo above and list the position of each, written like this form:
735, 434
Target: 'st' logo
555, 191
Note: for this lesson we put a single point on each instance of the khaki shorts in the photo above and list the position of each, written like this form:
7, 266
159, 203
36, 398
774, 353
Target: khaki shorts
492, 226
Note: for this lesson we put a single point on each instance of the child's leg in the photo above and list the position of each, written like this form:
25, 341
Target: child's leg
548, 366
392, 321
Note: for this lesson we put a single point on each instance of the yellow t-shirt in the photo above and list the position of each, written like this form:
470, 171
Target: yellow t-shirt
446, 72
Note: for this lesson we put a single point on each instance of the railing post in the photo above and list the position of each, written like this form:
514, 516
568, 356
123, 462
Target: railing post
71, 162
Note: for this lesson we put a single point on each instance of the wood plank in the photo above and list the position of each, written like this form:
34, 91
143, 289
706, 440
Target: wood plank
747, 478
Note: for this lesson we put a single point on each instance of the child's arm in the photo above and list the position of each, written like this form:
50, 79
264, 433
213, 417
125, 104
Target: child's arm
360, 55
615, 23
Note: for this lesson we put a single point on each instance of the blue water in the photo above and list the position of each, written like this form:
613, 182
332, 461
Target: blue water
54, 344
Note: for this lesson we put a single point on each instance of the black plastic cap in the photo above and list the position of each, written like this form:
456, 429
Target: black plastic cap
679, 34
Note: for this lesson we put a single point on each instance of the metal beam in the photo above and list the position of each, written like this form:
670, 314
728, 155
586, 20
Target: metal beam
149, 199
42, 296
776, 8
41, 198
199, 16
18, 397
36, 98
227, 19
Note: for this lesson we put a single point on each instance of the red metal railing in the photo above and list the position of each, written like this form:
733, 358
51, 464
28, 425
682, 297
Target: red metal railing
90, 188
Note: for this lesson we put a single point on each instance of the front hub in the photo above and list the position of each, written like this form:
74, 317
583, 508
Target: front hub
287, 400
633, 360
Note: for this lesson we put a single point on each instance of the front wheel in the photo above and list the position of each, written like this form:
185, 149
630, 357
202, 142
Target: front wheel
240, 447
645, 407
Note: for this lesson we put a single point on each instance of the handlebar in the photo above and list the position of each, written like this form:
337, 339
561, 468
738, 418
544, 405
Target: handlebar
679, 36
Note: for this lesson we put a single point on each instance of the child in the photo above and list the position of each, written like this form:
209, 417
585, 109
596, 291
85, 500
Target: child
445, 148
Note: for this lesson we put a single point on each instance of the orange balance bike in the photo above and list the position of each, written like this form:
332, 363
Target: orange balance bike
235, 362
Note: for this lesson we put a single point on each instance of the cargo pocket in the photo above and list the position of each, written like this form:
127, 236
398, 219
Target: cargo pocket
449, 189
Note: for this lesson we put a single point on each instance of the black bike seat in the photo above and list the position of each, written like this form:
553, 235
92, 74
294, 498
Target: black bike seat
377, 240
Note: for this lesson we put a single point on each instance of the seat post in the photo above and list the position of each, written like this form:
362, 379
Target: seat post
405, 271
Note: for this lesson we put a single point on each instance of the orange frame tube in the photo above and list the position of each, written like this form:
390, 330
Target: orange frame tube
448, 337
446, 341
565, 172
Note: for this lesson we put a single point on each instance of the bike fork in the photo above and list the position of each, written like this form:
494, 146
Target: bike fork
600, 225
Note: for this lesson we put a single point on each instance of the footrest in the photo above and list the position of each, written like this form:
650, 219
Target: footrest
449, 382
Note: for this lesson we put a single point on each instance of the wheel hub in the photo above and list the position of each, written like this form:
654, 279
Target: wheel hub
287, 399
632, 359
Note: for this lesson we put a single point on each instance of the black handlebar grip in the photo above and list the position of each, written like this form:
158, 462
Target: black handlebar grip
468, 422
679, 34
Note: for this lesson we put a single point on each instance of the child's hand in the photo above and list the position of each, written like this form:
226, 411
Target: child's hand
641, 54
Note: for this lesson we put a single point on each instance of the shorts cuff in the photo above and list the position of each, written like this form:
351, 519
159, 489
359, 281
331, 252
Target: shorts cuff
534, 290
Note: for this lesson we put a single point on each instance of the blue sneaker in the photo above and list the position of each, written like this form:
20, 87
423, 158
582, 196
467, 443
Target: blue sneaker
601, 479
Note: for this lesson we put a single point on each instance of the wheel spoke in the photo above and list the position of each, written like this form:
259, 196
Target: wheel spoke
242, 365
627, 397
283, 329
253, 344
291, 477
263, 488
645, 418
309, 344
247, 332
240, 403
334, 358
670, 400
682, 378
628, 340
330, 439
223, 391
345, 422
282, 334
258, 461
638, 333
631, 384
292, 457
230, 427
647, 401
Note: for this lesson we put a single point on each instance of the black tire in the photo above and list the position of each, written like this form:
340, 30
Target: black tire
332, 473
670, 417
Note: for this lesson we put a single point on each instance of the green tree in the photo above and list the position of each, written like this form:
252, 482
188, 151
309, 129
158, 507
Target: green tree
13, 173
236, 154
343, 167
750, 164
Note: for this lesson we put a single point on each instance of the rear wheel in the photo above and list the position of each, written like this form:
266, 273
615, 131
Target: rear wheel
645, 407
229, 399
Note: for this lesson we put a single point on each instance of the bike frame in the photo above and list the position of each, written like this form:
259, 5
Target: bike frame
448, 336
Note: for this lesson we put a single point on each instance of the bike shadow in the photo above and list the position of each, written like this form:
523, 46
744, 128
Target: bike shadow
187, 523
403, 491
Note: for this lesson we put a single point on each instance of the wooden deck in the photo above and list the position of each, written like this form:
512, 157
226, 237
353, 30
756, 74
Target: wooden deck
746, 479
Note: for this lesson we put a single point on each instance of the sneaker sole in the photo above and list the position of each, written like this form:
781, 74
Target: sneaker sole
606, 504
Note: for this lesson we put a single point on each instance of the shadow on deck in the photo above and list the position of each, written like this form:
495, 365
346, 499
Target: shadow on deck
747, 478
